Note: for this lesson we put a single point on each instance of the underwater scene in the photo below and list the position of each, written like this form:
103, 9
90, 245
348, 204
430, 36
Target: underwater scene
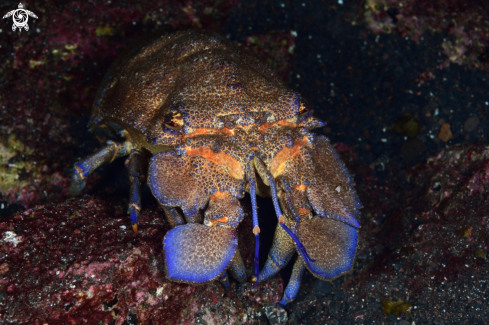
244, 162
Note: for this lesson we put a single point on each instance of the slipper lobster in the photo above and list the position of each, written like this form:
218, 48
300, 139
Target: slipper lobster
203, 122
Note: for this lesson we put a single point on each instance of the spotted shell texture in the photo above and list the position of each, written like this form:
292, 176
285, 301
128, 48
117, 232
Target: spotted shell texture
210, 80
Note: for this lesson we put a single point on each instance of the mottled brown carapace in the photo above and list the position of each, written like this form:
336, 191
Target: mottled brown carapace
203, 122
205, 81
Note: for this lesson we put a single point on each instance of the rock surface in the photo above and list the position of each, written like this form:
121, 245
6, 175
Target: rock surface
80, 261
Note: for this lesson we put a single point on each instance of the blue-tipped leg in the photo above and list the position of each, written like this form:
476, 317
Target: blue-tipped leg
256, 229
82, 169
78, 178
294, 282
250, 172
237, 270
273, 187
136, 165
257, 261
281, 219
224, 279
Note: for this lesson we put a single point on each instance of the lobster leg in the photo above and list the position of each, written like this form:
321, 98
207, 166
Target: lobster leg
136, 164
282, 250
294, 282
256, 229
196, 218
237, 268
173, 216
84, 168
224, 279
281, 219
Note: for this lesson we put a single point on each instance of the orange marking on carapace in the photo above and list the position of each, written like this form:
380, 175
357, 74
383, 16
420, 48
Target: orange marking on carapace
304, 212
286, 123
265, 126
223, 220
204, 131
301, 187
220, 159
218, 195
281, 219
278, 163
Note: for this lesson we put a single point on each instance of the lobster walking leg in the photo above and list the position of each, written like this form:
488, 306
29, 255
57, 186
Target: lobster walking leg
136, 165
224, 279
280, 254
173, 216
281, 219
237, 268
82, 169
256, 228
294, 282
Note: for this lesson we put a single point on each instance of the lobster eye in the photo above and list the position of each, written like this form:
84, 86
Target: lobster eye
174, 120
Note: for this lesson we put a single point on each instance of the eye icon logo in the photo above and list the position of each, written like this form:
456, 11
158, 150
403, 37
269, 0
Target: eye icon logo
20, 17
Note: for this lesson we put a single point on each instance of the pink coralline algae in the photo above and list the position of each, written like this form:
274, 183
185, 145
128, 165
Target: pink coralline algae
465, 24
80, 262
